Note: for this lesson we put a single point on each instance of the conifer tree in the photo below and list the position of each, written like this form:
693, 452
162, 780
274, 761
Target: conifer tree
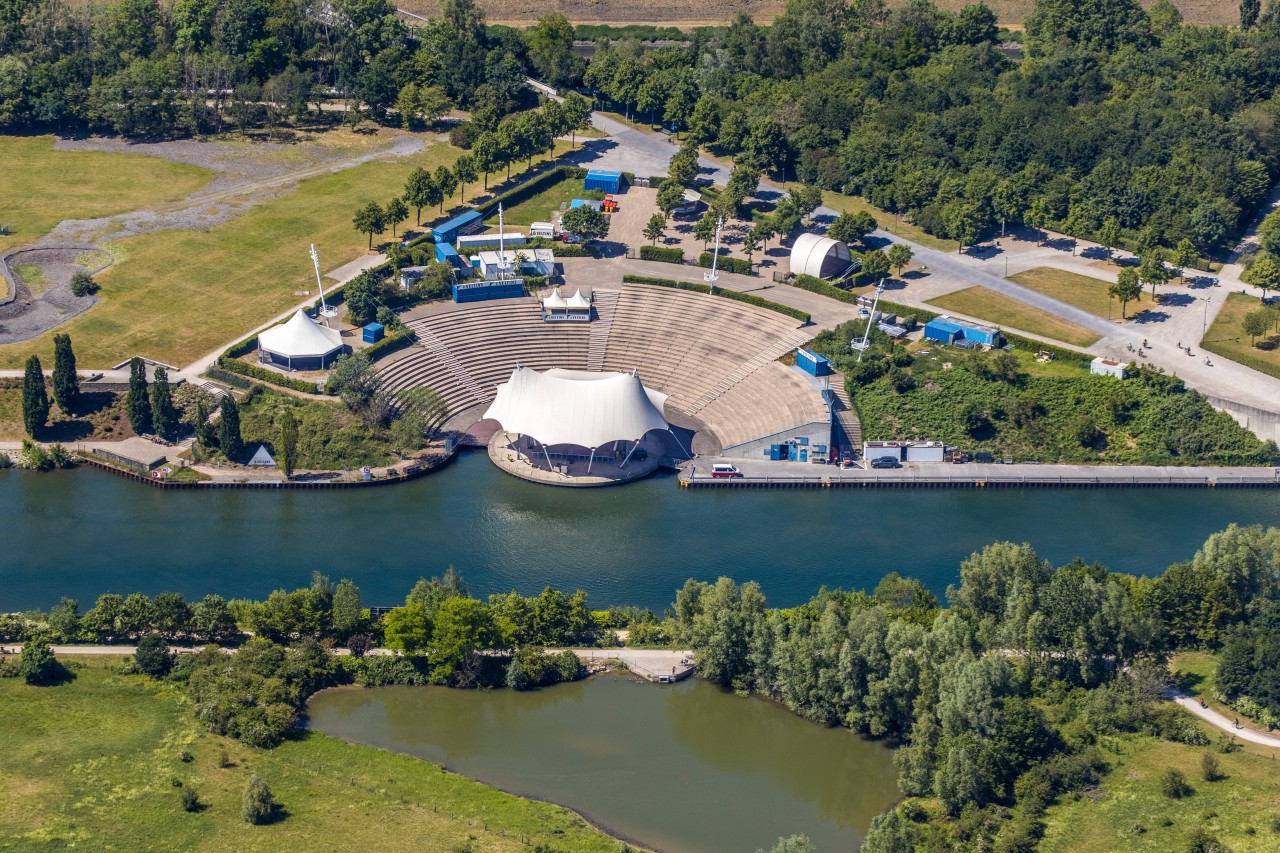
229, 430
66, 385
137, 403
163, 417
35, 400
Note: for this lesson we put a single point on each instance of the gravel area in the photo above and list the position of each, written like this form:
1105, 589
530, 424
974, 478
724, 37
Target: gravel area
29, 315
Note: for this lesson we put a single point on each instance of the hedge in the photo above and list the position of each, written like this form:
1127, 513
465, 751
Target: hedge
738, 265
817, 285
219, 375
392, 342
748, 298
662, 253
244, 368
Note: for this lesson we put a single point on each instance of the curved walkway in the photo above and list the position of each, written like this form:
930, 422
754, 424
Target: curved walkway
1217, 720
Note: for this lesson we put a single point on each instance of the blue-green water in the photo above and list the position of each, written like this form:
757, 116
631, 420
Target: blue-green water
82, 533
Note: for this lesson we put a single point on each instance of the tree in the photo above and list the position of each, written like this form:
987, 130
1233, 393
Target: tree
586, 222
66, 383
36, 664
852, 227
1264, 273
212, 619
655, 228
875, 264
164, 419
395, 213
229, 440
1152, 270
1109, 235
670, 196
551, 51
420, 190
35, 400
1249, 11
705, 230
751, 244
900, 255
1126, 288
462, 625
1255, 323
577, 115
288, 450
370, 220
82, 284
464, 169
138, 402
1037, 216
258, 805
1174, 784
1184, 255
446, 182
152, 656
360, 388
408, 628
683, 167
348, 614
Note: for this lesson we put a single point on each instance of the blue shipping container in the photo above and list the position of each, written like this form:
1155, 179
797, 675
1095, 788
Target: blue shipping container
775, 452
373, 333
804, 455
812, 363
792, 452
603, 179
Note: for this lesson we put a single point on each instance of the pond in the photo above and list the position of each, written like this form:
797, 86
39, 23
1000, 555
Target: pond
684, 767
82, 533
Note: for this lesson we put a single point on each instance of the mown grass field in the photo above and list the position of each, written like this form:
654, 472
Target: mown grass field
887, 221
1226, 337
90, 764
1082, 291
540, 207
44, 186
1007, 312
1129, 813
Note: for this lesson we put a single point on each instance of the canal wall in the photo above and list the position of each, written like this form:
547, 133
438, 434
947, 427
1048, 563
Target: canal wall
1262, 423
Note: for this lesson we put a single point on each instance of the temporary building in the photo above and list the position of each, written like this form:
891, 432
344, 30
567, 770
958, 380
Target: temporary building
555, 302
545, 230
577, 407
819, 256
1107, 367
689, 203
476, 241
447, 232
300, 344
603, 179
948, 331
578, 302
586, 202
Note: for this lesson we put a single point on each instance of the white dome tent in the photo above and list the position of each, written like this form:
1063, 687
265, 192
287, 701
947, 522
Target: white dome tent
819, 256
300, 344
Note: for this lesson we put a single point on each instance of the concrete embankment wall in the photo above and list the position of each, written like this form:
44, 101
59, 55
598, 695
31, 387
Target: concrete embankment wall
1265, 425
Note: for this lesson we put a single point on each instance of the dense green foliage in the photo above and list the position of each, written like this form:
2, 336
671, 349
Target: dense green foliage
138, 403
662, 253
729, 264
986, 402
66, 383
262, 374
35, 399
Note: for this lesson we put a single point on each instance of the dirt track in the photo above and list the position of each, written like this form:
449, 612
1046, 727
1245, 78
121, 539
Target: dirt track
689, 13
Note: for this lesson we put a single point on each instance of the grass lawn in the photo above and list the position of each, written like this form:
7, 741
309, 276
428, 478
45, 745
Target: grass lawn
887, 221
539, 207
45, 186
90, 764
1082, 291
1226, 337
1005, 311
32, 275
1240, 810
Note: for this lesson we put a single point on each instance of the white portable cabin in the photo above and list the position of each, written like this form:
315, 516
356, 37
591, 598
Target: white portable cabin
1106, 367
545, 230
476, 241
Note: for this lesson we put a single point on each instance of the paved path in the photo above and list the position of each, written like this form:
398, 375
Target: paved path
1213, 718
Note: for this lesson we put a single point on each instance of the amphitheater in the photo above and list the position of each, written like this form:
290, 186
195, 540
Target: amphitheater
717, 359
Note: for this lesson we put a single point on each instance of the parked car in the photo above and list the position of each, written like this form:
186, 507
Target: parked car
885, 462
721, 469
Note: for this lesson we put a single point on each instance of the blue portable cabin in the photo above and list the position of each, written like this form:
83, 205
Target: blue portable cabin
448, 255
983, 335
812, 363
373, 333
948, 331
943, 330
447, 232
603, 179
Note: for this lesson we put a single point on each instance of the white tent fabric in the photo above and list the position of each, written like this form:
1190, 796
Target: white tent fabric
818, 256
300, 337
555, 302
262, 459
578, 301
578, 407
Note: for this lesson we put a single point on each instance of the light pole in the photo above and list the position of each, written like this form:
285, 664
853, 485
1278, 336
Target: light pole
711, 275
1204, 327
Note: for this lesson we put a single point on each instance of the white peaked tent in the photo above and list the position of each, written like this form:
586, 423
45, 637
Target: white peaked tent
554, 302
262, 459
577, 407
578, 302
300, 344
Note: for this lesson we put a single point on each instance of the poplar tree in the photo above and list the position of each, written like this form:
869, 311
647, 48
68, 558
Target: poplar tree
137, 403
35, 400
229, 429
66, 385
288, 443
163, 416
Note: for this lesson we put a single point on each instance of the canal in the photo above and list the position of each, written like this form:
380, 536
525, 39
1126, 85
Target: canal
687, 767
81, 533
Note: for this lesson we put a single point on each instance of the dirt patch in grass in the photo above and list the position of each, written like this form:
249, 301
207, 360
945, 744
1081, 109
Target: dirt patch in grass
1082, 291
100, 416
1226, 337
1007, 312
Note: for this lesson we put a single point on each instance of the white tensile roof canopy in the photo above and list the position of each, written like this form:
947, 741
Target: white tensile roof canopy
300, 337
578, 407
819, 256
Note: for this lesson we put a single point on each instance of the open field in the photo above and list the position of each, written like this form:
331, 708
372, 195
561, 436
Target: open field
44, 186
539, 208
887, 221
1082, 291
1226, 337
1005, 311
1129, 813
705, 12
92, 764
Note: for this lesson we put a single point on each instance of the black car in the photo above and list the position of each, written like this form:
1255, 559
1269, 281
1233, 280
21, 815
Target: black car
885, 462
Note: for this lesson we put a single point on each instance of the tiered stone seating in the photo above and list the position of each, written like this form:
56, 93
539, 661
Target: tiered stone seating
771, 399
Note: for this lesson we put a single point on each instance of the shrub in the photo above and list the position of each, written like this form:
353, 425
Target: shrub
1210, 767
244, 368
36, 664
1174, 784
190, 800
82, 284
152, 656
737, 265
224, 760
258, 806
384, 670
662, 253
5, 461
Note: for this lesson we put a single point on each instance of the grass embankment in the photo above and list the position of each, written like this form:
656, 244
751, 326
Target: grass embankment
1082, 291
329, 436
986, 304
1129, 812
91, 764
44, 186
1226, 337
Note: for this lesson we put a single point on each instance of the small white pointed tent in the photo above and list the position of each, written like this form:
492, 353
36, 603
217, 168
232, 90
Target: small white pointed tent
262, 459
300, 344
554, 302
578, 302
